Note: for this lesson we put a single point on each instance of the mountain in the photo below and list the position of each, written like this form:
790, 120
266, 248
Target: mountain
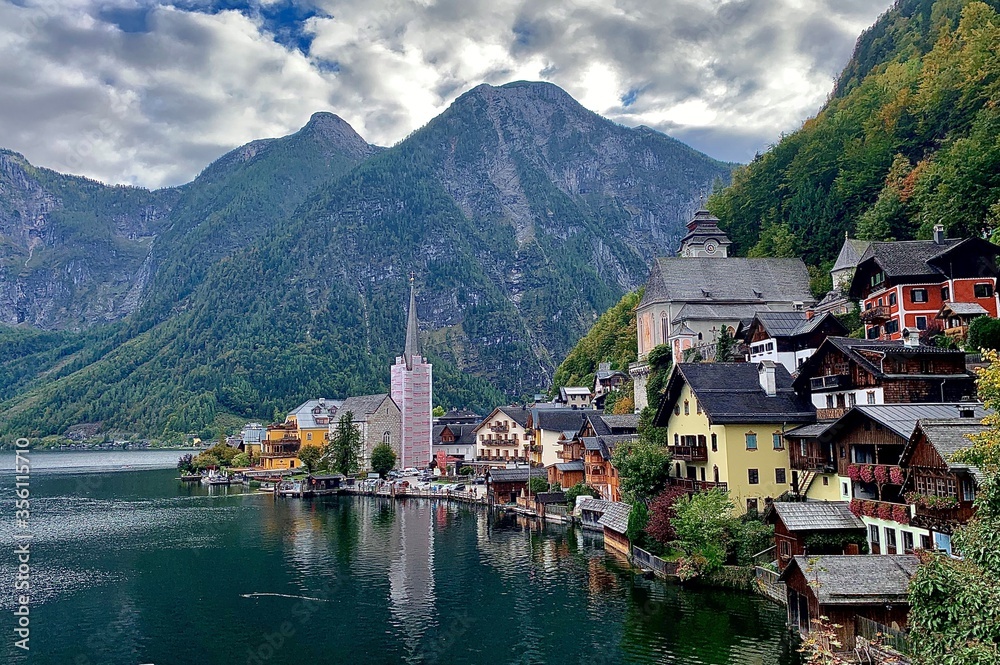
280, 273
906, 141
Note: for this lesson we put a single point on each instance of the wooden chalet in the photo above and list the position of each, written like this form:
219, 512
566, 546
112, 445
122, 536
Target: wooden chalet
941, 490
844, 588
505, 485
566, 474
844, 372
812, 528
789, 338
614, 524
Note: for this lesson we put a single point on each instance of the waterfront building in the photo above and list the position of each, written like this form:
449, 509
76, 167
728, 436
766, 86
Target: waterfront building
850, 591
253, 436
504, 437
312, 419
549, 427
614, 523
690, 299
280, 450
903, 285
379, 421
566, 474
411, 381
789, 338
455, 443
814, 527
725, 427
505, 485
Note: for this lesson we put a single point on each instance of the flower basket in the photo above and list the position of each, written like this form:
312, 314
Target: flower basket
881, 474
856, 507
867, 474
868, 508
901, 514
896, 475
884, 511
854, 472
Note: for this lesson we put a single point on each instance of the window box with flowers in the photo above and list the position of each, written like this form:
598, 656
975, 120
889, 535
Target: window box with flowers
932, 502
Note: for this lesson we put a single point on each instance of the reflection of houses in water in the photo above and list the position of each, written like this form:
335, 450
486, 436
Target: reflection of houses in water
411, 572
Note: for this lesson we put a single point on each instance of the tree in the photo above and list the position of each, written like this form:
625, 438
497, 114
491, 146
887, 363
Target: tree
537, 484
383, 459
467, 471
344, 448
984, 333
580, 489
242, 460
310, 457
955, 604
184, 464
438, 411
662, 513
703, 525
643, 468
724, 346
638, 519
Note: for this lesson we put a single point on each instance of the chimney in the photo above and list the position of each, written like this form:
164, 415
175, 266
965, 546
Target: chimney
766, 374
939, 234
966, 411
810, 313
911, 338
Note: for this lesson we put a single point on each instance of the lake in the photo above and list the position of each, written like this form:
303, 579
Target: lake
130, 566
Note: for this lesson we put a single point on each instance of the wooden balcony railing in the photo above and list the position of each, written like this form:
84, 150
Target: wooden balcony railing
876, 314
830, 382
499, 427
691, 453
693, 485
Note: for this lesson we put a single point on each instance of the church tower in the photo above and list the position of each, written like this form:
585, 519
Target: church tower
411, 391
705, 238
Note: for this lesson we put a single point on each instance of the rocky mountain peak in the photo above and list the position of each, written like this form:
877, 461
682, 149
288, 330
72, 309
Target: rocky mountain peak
335, 132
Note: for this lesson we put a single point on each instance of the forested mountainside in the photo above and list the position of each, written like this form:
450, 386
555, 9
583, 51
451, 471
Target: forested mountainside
612, 339
280, 273
909, 139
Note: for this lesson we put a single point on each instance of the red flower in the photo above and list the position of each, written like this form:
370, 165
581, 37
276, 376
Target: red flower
901, 514
854, 472
884, 511
881, 474
896, 475
867, 473
857, 508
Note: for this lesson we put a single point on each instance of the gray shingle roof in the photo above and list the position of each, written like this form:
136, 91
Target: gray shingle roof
731, 393
606, 444
850, 254
625, 421
868, 579
715, 311
465, 434
811, 430
515, 475
791, 324
817, 516
902, 418
963, 309
518, 414
575, 465
595, 505
304, 412
730, 279
853, 349
615, 516
908, 257
362, 406
947, 437
559, 420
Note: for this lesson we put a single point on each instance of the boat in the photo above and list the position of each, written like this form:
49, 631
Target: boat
191, 477
217, 480
266, 487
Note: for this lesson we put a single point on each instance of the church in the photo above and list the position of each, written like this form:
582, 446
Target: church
689, 299
411, 390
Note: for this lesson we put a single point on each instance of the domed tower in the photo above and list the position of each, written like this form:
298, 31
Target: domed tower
704, 237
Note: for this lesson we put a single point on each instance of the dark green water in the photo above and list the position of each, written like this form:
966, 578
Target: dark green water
133, 567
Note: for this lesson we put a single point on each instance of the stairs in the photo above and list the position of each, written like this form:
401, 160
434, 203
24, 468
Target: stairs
806, 481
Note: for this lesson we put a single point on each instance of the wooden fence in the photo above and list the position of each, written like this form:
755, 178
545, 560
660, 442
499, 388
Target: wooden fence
881, 636
643, 559
769, 586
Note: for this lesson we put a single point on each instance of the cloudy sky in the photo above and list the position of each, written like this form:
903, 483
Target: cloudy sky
135, 91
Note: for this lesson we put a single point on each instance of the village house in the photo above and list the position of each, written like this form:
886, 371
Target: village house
280, 450
614, 524
725, 427
599, 472
253, 436
849, 591
868, 443
903, 285
312, 420
940, 490
574, 397
788, 338
549, 427
814, 527
813, 463
689, 300
566, 474
845, 371
955, 318
454, 445
505, 485
378, 420
504, 437
607, 380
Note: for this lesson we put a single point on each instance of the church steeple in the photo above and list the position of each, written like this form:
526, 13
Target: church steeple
412, 347
704, 237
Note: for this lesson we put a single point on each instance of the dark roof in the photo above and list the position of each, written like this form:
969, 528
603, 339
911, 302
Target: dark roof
854, 350
947, 437
550, 497
792, 324
615, 516
810, 431
727, 280
850, 254
731, 393
868, 579
465, 434
518, 414
817, 516
460, 415
901, 418
559, 420
919, 259
962, 309
617, 423
606, 444
722, 310
514, 475
595, 505
575, 465
605, 374
705, 226
363, 405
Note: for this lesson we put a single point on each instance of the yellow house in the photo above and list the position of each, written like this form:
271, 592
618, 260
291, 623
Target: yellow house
725, 427
281, 447
312, 420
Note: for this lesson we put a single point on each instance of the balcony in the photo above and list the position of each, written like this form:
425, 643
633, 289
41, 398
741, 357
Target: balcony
883, 510
877, 314
938, 513
692, 485
830, 382
499, 427
812, 463
881, 474
690, 453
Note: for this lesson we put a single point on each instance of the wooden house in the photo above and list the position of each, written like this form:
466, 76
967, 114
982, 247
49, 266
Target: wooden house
844, 588
505, 485
614, 523
599, 472
940, 490
789, 338
566, 474
814, 527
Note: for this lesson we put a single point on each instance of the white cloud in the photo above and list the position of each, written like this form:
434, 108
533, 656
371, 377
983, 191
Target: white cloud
154, 105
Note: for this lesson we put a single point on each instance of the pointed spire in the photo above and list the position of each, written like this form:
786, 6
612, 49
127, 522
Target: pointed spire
412, 347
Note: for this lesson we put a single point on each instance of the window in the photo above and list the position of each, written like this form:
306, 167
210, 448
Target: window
968, 490
687, 408
677, 469
751, 441
892, 298
786, 548
779, 476
891, 326
983, 290
871, 396
873, 332
852, 399
777, 441
697, 406
385, 438
753, 476
918, 295
925, 542
829, 401
309, 436
715, 443
921, 323
677, 409
664, 327
890, 540
751, 506
843, 452
845, 490
873, 534
945, 293
702, 474
907, 542
677, 440
826, 481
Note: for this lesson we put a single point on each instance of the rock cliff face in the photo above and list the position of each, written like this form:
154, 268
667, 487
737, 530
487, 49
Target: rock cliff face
281, 271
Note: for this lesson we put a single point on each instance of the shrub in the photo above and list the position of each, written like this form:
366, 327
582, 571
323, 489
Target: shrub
580, 490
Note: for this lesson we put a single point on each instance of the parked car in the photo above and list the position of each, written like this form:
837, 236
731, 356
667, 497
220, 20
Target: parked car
459, 488
410, 471
479, 481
